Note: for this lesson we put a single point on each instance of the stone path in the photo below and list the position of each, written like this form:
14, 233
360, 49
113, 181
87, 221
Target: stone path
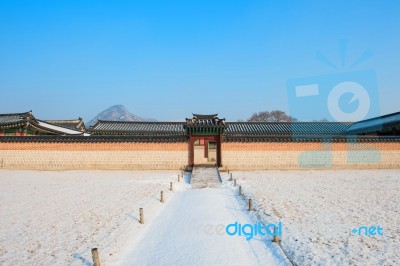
206, 176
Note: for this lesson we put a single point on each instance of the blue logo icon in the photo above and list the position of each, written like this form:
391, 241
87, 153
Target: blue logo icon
345, 96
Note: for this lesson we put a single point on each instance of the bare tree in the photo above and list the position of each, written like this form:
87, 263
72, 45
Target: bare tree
273, 116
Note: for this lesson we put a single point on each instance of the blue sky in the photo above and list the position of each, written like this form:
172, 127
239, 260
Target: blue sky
167, 59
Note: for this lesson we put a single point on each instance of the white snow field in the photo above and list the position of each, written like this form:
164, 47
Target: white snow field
56, 218
320, 208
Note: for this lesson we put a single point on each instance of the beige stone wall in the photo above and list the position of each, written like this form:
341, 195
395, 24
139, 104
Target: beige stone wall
239, 156
199, 155
62, 156
63, 160
260, 156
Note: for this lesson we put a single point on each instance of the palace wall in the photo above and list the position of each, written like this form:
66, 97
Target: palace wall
306, 155
64, 156
174, 155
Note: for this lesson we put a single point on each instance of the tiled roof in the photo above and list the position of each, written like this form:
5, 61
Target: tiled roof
27, 120
15, 118
96, 139
381, 123
200, 116
55, 128
328, 139
286, 128
75, 124
127, 139
138, 128
205, 123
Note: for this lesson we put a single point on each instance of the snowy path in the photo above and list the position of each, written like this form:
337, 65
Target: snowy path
191, 231
205, 177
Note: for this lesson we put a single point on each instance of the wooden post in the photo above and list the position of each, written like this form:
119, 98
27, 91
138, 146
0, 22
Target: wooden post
240, 190
162, 197
275, 238
141, 216
234, 182
179, 178
171, 186
95, 256
228, 171
231, 177
250, 205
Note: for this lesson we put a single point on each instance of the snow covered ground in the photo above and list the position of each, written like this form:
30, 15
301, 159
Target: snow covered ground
320, 208
191, 231
55, 218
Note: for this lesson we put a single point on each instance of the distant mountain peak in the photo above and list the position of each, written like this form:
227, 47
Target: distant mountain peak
117, 113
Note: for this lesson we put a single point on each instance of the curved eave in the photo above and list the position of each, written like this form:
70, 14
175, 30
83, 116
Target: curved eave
49, 130
14, 125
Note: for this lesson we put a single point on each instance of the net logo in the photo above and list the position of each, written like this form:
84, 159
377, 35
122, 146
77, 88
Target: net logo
368, 231
252, 230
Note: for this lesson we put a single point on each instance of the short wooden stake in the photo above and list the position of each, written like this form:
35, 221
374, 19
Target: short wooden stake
162, 197
179, 178
234, 182
141, 216
250, 205
171, 186
228, 171
95, 256
240, 190
275, 238
231, 177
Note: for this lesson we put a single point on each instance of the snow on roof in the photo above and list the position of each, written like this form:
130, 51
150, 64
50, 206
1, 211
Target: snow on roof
58, 128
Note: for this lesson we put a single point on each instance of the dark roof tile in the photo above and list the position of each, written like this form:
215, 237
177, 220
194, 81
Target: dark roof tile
141, 128
285, 128
380, 123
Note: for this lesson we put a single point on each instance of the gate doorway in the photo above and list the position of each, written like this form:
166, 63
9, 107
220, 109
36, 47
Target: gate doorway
205, 150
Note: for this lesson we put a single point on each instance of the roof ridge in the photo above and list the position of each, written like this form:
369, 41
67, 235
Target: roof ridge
63, 120
10, 114
377, 117
285, 122
140, 122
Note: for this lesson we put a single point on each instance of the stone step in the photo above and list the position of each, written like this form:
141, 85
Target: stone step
205, 176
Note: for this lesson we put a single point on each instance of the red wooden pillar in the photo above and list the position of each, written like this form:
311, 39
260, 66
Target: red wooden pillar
191, 151
206, 148
218, 140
